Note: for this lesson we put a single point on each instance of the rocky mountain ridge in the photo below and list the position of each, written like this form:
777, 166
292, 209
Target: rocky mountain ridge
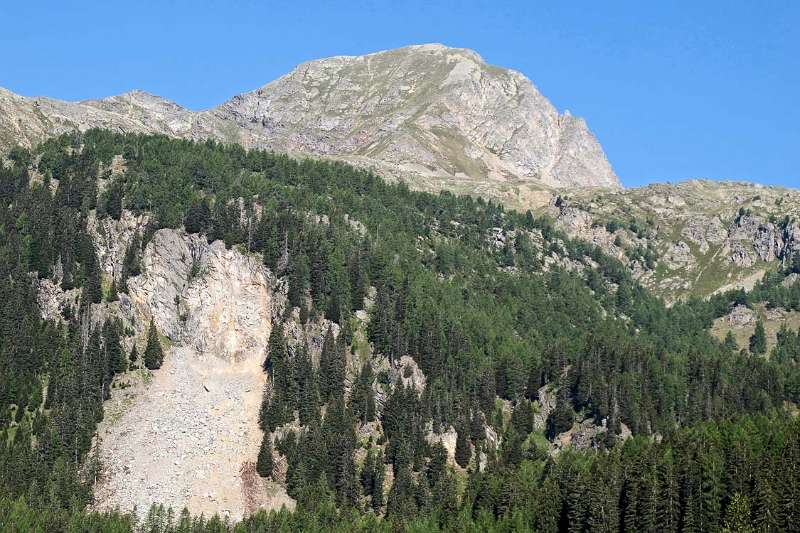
691, 238
437, 117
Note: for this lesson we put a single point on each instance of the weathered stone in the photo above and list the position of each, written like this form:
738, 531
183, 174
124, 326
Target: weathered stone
439, 117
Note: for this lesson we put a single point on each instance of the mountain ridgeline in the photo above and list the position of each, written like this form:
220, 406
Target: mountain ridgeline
473, 367
437, 117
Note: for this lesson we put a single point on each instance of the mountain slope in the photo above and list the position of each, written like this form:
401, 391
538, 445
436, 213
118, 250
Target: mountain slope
439, 113
691, 238
438, 117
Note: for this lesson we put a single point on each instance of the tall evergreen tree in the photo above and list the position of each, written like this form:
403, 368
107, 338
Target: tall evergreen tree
463, 452
134, 355
308, 400
264, 463
153, 353
113, 348
362, 397
378, 477
758, 341
332, 366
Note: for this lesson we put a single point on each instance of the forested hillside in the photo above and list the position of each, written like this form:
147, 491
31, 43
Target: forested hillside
521, 335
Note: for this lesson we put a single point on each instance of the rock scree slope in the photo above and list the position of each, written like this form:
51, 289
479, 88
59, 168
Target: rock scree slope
186, 435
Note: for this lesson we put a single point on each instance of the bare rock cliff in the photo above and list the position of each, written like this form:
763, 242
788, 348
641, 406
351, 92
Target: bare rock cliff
429, 111
437, 117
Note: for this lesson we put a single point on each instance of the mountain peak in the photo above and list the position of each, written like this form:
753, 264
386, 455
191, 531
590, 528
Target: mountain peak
435, 116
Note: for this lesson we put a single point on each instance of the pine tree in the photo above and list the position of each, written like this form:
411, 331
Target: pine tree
113, 295
758, 341
377, 483
402, 503
737, 516
308, 403
730, 342
477, 430
463, 452
561, 418
113, 200
437, 465
795, 266
131, 266
332, 366
93, 283
153, 353
298, 280
198, 218
368, 472
133, 356
113, 348
264, 463
362, 397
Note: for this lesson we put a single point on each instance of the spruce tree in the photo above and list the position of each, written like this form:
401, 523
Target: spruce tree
153, 353
463, 452
198, 218
111, 343
114, 200
402, 503
133, 356
113, 295
368, 472
377, 483
264, 464
308, 401
362, 398
93, 283
730, 342
758, 341
332, 366
738, 517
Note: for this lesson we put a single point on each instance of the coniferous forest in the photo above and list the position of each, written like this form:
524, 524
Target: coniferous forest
492, 324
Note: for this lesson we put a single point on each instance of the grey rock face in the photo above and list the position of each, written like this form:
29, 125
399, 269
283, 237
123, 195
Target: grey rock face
437, 112
700, 236
438, 117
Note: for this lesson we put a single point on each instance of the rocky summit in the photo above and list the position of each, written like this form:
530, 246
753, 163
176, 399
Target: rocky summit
437, 117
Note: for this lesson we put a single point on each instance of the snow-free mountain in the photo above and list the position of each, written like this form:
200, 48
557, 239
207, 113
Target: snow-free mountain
437, 117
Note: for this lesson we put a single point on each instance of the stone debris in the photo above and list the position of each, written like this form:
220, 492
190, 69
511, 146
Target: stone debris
184, 434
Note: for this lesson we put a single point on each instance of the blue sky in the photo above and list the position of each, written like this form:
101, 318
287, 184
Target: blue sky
673, 90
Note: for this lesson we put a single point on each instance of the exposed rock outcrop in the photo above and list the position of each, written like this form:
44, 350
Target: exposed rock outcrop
187, 435
439, 113
439, 117
692, 238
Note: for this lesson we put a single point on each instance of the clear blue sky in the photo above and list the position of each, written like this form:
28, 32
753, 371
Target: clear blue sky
673, 90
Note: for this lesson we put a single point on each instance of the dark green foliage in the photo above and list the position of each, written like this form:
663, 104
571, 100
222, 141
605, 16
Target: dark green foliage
111, 200
477, 331
376, 496
278, 406
794, 267
113, 348
730, 341
308, 395
362, 398
264, 463
331, 366
153, 353
198, 217
130, 264
758, 341
561, 419
463, 451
